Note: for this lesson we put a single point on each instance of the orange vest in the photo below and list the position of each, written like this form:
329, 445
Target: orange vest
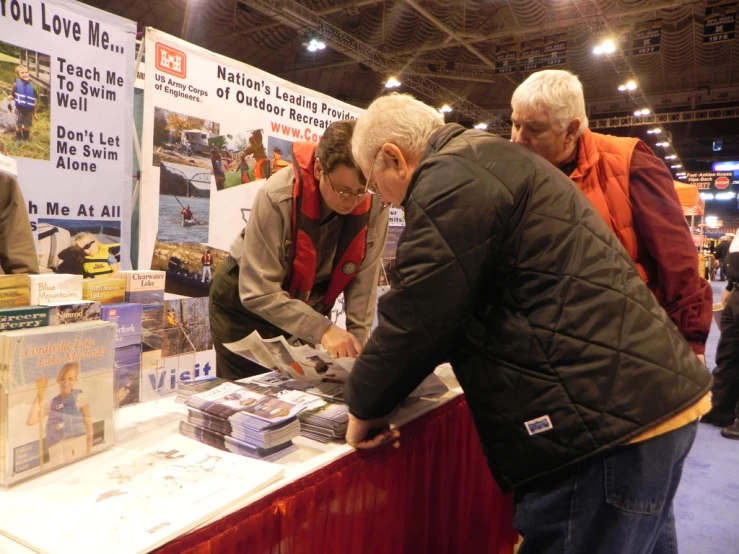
602, 173
306, 230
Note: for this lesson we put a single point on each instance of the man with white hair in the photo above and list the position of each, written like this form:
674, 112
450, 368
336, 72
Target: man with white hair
584, 394
630, 188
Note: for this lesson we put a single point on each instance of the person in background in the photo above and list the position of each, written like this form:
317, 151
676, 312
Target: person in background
629, 187
313, 233
207, 261
584, 394
725, 391
219, 168
187, 215
277, 161
24, 95
722, 250
17, 249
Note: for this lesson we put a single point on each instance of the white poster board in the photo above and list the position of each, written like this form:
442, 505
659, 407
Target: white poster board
198, 104
74, 163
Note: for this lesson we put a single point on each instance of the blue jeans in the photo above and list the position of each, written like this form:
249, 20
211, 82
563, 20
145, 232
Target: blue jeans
619, 503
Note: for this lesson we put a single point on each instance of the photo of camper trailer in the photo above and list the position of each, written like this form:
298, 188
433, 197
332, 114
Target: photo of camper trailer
182, 139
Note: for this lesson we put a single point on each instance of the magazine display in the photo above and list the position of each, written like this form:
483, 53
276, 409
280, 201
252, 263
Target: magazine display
127, 319
57, 399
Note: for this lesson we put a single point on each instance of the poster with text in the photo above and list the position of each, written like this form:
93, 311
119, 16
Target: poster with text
66, 101
214, 130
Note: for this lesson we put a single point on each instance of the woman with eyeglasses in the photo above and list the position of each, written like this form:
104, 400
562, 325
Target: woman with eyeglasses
314, 231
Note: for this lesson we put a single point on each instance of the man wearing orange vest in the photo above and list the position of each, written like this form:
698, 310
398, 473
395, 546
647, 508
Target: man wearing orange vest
313, 233
628, 186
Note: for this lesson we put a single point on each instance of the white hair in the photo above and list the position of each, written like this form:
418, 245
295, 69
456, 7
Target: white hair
556, 92
396, 118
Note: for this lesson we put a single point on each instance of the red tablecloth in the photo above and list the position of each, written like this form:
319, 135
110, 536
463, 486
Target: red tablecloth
433, 495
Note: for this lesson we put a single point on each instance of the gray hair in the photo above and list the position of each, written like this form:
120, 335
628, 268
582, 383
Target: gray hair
556, 92
396, 118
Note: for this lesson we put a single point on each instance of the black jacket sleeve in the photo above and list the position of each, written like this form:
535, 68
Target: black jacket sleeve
442, 254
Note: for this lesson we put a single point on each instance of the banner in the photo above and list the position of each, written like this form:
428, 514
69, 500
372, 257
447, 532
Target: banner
720, 22
717, 180
66, 97
531, 51
647, 37
555, 50
505, 59
213, 130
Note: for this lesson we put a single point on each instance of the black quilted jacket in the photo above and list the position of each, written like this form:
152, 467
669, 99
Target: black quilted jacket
506, 270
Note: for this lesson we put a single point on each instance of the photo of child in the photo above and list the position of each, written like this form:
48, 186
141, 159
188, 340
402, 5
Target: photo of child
101, 260
68, 431
25, 122
80, 247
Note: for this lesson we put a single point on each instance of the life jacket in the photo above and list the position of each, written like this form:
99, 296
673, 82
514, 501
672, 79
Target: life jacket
306, 228
25, 94
602, 173
99, 264
65, 421
207, 259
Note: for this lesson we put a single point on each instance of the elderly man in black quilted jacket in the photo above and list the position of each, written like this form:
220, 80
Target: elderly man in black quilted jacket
584, 393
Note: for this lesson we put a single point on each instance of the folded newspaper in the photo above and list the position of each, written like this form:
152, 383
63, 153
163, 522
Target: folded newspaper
305, 368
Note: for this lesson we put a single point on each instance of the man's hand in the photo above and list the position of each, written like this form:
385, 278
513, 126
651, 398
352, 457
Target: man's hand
340, 344
725, 297
370, 433
702, 358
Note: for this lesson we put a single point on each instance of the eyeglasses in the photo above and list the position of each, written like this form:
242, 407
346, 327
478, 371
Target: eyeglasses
370, 187
88, 245
345, 193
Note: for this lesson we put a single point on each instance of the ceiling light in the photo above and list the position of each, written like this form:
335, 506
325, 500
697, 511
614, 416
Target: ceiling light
392, 82
655, 131
662, 143
605, 47
676, 166
445, 109
315, 45
622, 87
481, 126
671, 157
629, 85
645, 111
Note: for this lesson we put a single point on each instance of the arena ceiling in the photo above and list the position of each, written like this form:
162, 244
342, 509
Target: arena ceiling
444, 51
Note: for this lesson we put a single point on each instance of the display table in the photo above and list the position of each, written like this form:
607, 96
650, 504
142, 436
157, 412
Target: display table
433, 494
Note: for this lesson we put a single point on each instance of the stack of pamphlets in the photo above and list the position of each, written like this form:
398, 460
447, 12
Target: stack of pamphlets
232, 417
326, 423
186, 389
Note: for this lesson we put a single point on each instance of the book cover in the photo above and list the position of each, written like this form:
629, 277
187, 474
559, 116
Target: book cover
28, 317
15, 290
127, 318
128, 375
144, 287
58, 287
60, 402
62, 313
105, 291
